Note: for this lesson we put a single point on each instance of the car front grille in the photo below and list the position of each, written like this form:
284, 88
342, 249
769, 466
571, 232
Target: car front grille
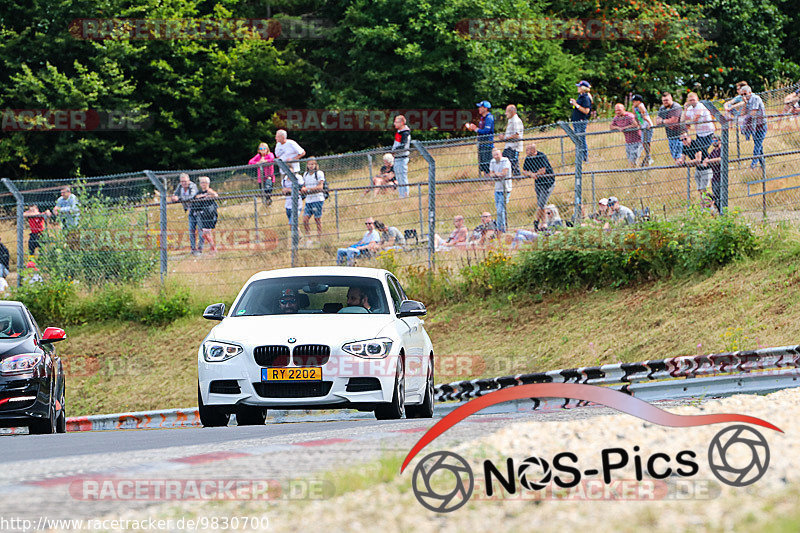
311, 354
225, 386
313, 389
271, 356
363, 384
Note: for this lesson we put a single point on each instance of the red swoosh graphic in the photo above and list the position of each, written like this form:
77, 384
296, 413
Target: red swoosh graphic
591, 393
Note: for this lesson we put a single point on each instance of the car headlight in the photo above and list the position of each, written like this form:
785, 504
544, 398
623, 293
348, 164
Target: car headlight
373, 348
18, 364
214, 351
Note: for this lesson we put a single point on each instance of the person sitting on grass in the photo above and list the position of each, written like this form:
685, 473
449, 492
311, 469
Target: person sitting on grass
618, 213
385, 177
552, 219
391, 238
348, 255
485, 232
458, 237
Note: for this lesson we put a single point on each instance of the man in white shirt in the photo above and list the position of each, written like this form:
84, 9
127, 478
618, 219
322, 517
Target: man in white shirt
513, 138
697, 115
756, 123
288, 150
500, 171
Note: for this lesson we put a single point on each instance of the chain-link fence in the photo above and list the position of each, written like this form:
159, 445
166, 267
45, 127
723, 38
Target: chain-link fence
216, 227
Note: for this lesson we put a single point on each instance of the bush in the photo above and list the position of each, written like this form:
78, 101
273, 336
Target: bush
51, 301
108, 244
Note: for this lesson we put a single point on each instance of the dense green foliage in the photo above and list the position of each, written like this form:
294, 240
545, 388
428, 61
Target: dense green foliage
589, 257
205, 102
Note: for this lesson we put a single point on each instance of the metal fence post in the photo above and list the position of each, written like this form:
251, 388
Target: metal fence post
336, 210
20, 227
763, 190
255, 217
578, 168
562, 150
369, 160
419, 209
594, 199
284, 168
724, 164
431, 201
162, 213
688, 187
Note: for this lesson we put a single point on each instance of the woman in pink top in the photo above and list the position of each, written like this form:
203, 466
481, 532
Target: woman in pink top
266, 174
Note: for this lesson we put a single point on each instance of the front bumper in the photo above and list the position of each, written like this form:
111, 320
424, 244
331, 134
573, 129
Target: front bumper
347, 382
23, 398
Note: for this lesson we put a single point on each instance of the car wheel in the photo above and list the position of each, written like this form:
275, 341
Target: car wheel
397, 407
425, 409
46, 426
211, 416
250, 415
61, 421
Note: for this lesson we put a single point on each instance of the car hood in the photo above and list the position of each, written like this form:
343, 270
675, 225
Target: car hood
9, 347
329, 329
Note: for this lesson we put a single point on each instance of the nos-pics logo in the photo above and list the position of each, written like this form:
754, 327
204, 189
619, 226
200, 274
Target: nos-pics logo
443, 481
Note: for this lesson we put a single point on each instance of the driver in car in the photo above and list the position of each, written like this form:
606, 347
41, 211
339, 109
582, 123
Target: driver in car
357, 297
287, 303
6, 327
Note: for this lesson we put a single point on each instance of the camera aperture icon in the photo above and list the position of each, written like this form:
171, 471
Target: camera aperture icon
443, 482
738, 455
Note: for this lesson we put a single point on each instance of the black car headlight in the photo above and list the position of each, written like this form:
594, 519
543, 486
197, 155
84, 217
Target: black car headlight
214, 351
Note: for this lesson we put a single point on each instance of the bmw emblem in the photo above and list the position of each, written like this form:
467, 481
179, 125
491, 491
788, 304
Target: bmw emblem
292, 340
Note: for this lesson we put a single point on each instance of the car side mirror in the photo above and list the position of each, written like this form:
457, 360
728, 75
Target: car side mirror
214, 312
411, 308
53, 335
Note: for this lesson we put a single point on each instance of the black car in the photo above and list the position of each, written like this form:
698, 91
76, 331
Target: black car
31, 375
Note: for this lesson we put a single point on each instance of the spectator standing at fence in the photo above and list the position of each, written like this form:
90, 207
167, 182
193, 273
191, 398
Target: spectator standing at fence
36, 222
286, 188
313, 183
756, 122
458, 237
500, 171
5, 260
385, 177
645, 125
485, 131
206, 204
669, 114
581, 111
694, 155
67, 209
349, 254
400, 146
185, 193
538, 167
697, 115
513, 138
288, 151
265, 173
626, 123
734, 109
791, 104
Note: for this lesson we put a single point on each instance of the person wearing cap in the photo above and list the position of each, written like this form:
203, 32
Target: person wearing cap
402, 141
484, 232
756, 122
602, 210
626, 123
500, 171
581, 110
669, 114
485, 131
513, 138
645, 124
538, 167
265, 173
695, 155
287, 302
697, 115
619, 213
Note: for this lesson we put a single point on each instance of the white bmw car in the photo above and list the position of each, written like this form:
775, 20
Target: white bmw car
316, 338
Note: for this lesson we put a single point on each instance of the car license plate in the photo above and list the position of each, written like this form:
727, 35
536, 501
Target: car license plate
291, 374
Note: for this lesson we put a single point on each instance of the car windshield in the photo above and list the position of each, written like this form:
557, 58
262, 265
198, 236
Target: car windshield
312, 295
12, 322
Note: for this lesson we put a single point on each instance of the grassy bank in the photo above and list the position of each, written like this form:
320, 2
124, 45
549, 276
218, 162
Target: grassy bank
120, 366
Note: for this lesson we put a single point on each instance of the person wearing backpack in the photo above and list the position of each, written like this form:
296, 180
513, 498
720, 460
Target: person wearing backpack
314, 189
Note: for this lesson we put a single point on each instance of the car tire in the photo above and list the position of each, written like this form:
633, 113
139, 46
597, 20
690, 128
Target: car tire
61, 421
211, 416
45, 426
425, 409
250, 415
395, 409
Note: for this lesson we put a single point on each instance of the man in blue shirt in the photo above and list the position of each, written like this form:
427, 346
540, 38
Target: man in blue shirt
581, 109
348, 255
485, 131
67, 209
